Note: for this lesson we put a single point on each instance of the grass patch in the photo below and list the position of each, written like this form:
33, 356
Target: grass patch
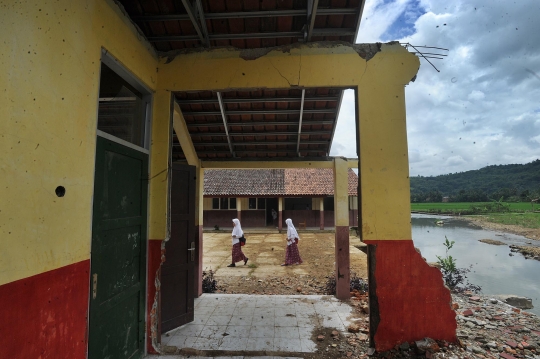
527, 220
252, 265
471, 208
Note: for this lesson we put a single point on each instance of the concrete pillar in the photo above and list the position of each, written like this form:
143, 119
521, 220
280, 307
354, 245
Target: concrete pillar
341, 220
280, 214
199, 207
158, 206
239, 209
321, 213
407, 297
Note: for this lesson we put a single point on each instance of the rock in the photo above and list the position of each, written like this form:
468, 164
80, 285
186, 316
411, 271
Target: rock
493, 301
371, 351
353, 328
427, 344
506, 356
475, 298
404, 346
512, 344
365, 309
491, 345
298, 289
335, 333
516, 301
362, 337
467, 313
320, 338
470, 325
455, 306
477, 350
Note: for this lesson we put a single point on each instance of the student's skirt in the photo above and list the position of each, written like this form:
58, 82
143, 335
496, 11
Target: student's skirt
292, 255
237, 254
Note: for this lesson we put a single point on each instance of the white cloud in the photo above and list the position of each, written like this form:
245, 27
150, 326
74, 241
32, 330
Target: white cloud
482, 107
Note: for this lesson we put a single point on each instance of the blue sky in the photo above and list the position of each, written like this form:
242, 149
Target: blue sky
482, 107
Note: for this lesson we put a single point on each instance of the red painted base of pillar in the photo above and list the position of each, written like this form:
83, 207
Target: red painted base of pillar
343, 263
280, 220
153, 321
199, 268
321, 219
45, 315
407, 298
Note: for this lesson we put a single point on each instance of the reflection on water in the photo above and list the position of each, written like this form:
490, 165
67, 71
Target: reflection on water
493, 269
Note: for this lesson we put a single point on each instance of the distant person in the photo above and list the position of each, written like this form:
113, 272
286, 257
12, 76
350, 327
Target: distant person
274, 217
292, 255
237, 254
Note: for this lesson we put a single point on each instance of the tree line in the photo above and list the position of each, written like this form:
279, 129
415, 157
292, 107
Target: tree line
511, 183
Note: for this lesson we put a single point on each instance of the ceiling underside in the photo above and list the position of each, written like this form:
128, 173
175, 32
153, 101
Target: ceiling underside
257, 124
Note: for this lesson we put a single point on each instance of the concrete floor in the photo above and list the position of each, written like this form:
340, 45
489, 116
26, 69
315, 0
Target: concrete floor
258, 326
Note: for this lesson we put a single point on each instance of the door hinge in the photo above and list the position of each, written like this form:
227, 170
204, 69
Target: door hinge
94, 285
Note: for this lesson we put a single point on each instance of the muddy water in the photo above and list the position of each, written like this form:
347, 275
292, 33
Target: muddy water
493, 268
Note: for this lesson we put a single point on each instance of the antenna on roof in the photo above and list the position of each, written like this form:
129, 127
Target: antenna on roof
436, 54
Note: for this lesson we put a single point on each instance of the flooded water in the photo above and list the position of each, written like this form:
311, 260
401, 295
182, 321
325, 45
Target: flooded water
493, 269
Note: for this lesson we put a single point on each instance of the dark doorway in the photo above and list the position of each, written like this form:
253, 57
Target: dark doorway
178, 270
271, 203
118, 253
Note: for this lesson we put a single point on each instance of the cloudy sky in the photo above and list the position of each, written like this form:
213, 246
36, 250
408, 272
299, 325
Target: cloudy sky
483, 107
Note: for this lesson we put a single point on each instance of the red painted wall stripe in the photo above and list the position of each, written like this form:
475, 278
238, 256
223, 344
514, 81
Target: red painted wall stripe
45, 316
412, 299
154, 263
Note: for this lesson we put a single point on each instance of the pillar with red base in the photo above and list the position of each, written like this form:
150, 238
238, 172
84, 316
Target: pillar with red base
407, 298
280, 214
341, 220
321, 213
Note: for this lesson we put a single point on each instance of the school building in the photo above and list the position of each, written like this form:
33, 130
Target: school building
112, 112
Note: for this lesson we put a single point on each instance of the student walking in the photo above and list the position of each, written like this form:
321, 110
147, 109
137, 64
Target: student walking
292, 255
237, 254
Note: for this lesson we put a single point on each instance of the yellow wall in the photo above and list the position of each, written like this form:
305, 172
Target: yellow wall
380, 86
49, 78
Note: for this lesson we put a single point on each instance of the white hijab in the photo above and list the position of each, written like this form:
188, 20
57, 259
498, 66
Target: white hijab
291, 231
237, 230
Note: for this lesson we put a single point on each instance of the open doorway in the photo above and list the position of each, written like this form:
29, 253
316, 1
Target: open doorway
271, 204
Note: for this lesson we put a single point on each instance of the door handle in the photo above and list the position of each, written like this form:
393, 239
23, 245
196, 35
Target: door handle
94, 285
192, 250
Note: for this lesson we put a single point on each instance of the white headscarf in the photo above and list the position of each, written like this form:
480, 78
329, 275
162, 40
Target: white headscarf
291, 231
237, 230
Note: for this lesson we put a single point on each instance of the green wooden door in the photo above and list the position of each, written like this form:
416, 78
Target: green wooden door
118, 257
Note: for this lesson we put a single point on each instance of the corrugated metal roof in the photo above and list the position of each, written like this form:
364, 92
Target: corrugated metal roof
263, 123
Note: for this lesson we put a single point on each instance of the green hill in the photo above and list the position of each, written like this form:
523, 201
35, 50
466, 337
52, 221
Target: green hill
512, 182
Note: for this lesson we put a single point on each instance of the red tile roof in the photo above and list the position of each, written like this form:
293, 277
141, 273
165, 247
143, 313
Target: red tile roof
277, 182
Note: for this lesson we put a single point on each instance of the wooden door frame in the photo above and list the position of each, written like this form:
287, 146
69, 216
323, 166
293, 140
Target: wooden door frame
147, 95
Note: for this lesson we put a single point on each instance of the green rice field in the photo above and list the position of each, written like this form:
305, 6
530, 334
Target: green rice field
457, 206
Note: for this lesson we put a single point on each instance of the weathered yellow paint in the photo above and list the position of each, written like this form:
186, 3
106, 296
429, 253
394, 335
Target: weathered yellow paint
352, 162
207, 204
280, 203
49, 84
265, 164
321, 204
181, 130
380, 85
244, 202
341, 192
353, 202
239, 205
159, 165
384, 168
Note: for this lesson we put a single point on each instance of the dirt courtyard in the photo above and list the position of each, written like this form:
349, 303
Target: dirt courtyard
266, 251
